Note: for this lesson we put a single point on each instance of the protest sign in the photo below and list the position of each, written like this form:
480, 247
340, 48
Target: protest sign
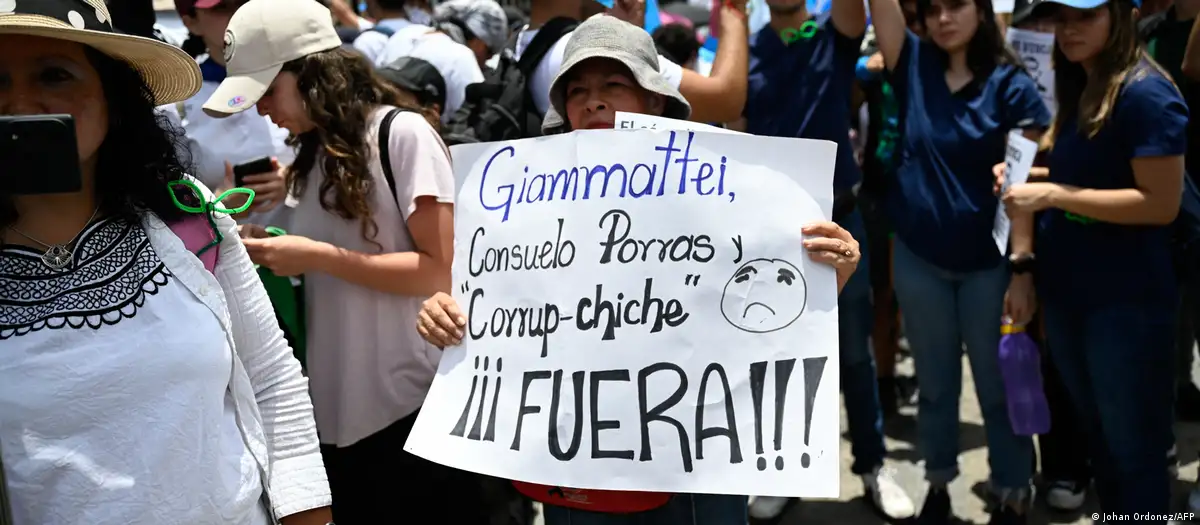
642, 315
1035, 50
1017, 162
640, 121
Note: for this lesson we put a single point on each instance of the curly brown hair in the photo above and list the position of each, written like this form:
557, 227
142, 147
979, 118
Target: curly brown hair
340, 91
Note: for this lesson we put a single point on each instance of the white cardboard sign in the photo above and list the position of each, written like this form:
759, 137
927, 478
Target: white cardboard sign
642, 316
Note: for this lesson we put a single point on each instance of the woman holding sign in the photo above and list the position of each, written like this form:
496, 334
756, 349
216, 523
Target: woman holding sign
594, 83
1105, 264
374, 233
965, 91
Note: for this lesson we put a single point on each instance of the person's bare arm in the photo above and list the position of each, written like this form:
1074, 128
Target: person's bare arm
321, 516
1155, 200
849, 17
721, 96
1191, 54
1039, 174
890, 30
1021, 232
420, 273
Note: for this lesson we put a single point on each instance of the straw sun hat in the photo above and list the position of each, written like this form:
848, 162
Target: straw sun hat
170, 73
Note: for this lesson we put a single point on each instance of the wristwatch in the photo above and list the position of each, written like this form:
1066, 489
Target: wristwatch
1022, 263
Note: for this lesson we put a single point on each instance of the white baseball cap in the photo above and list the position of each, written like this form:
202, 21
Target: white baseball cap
263, 35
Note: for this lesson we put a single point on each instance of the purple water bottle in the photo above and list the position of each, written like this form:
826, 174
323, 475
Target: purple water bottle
1021, 369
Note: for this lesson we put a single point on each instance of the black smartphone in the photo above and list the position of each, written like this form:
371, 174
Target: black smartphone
39, 154
254, 167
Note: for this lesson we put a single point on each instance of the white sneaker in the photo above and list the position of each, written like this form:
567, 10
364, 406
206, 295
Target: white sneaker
887, 495
767, 507
1065, 496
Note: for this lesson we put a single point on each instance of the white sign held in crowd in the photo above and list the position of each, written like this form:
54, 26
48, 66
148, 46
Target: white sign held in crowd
1017, 162
1035, 50
639, 121
642, 315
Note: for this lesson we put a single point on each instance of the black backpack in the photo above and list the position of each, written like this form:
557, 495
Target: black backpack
501, 107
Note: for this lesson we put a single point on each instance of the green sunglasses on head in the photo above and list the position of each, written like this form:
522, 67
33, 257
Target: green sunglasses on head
208, 208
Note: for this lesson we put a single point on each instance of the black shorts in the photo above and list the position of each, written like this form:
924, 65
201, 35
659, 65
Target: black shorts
375, 481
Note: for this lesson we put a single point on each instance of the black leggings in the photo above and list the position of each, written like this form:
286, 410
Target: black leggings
375, 481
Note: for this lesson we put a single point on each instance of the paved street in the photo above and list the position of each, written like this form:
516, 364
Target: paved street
968, 489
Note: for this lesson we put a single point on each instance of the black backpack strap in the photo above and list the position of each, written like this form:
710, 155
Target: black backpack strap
385, 162
547, 36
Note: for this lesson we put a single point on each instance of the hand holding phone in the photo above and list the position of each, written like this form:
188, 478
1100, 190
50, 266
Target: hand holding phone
254, 167
266, 178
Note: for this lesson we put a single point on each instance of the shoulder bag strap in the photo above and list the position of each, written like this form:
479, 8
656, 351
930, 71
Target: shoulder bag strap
543, 42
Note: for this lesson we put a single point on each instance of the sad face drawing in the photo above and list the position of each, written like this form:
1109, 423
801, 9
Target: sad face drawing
764, 295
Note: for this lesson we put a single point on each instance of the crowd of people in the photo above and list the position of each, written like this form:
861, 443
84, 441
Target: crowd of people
149, 377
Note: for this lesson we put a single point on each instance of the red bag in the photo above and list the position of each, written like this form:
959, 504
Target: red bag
611, 501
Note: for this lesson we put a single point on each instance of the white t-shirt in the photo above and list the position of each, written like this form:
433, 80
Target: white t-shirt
544, 74
373, 43
115, 403
456, 63
367, 365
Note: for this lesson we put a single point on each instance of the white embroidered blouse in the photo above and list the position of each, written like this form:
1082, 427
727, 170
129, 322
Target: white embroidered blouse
136, 387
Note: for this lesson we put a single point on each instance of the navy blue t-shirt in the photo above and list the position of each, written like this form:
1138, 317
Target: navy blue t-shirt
942, 205
802, 90
1083, 261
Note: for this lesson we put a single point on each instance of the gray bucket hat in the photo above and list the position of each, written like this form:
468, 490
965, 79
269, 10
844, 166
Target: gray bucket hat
604, 36
485, 19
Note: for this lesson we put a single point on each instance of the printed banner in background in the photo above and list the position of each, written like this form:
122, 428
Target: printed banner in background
642, 316
1036, 50
759, 15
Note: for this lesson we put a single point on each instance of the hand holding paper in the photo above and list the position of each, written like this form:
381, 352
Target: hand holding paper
1015, 171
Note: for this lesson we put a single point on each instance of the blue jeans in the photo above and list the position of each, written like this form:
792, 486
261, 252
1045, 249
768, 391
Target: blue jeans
1116, 362
683, 509
860, 388
944, 310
